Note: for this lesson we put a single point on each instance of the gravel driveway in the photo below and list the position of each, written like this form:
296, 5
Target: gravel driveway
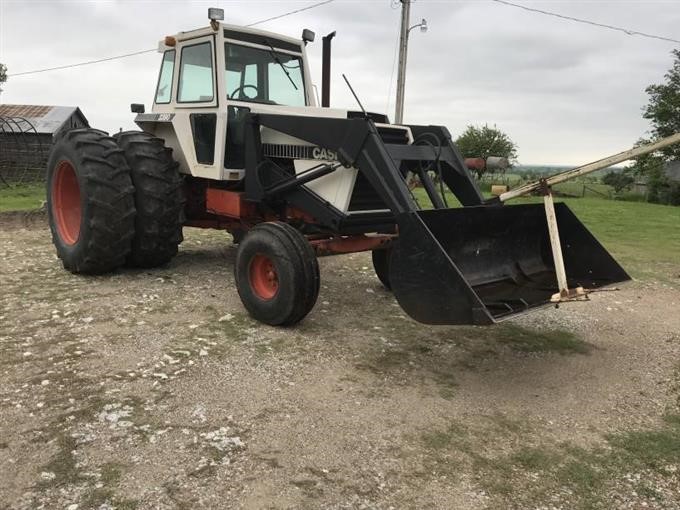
154, 389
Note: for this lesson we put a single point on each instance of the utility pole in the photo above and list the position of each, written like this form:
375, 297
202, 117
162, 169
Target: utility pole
403, 53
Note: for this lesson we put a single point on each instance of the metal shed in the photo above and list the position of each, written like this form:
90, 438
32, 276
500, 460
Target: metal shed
27, 133
672, 171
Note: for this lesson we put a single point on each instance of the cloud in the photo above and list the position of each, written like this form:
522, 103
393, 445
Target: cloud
565, 92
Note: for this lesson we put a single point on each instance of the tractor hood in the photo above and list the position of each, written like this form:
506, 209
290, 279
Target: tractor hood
271, 136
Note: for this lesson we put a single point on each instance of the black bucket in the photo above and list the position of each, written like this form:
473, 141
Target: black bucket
477, 265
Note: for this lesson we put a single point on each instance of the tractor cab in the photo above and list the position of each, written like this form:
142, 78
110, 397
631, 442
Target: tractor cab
211, 78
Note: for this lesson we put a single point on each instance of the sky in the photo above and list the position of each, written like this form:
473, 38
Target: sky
565, 92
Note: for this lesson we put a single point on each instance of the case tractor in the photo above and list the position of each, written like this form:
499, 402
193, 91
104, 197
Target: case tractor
235, 140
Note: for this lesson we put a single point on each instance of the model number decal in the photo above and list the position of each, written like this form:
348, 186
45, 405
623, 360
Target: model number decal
154, 117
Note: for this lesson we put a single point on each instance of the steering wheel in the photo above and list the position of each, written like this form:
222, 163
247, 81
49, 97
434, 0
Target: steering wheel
240, 90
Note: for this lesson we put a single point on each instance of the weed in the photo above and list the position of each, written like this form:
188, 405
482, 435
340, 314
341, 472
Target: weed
528, 340
535, 475
534, 458
63, 463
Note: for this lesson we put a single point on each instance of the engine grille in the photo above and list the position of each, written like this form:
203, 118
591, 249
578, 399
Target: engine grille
273, 150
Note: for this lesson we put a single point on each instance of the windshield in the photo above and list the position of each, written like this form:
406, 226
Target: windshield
263, 76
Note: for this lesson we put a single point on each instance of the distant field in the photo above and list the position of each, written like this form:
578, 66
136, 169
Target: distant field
590, 189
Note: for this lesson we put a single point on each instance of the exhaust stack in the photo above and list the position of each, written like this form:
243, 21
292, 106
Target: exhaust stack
326, 71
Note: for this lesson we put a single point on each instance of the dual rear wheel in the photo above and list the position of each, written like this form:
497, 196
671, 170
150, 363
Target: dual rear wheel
113, 201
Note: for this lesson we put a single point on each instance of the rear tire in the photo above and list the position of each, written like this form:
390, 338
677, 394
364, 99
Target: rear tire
277, 274
159, 199
90, 202
381, 264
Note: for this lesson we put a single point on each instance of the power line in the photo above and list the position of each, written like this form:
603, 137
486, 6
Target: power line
291, 12
626, 31
141, 52
36, 71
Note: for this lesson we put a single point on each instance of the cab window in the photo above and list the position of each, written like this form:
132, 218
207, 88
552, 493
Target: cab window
196, 83
164, 88
263, 75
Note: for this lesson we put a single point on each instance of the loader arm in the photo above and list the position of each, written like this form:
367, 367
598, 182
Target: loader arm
358, 144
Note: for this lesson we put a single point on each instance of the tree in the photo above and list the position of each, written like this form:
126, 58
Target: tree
3, 74
485, 141
663, 111
619, 180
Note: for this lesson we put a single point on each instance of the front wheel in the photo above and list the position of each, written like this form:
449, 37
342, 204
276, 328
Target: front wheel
277, 274
381, 264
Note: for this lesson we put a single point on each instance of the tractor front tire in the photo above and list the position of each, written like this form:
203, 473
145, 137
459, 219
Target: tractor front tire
159, 199
381, 264
90, 202
277, 274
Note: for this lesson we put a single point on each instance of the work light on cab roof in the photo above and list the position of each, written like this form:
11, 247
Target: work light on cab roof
235, 140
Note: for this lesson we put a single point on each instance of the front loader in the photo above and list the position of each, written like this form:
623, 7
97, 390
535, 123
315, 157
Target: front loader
236, 141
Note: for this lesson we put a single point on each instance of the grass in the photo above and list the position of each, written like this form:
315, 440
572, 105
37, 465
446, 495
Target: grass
21, 197
639, 235
532, 476
529, 340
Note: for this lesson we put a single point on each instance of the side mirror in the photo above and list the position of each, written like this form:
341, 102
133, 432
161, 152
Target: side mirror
137, 108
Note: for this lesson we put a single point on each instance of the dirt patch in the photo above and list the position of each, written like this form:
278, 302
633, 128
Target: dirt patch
154, 389
33, 219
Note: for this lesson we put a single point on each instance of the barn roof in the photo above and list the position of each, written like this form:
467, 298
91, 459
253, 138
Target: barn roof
45, 119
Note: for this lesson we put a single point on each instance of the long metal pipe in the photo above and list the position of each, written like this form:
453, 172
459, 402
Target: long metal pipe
303, 178
590, 167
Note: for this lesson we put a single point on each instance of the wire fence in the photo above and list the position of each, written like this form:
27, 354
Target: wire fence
23, 152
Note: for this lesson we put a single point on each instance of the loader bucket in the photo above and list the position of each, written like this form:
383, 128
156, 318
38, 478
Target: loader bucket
477, 265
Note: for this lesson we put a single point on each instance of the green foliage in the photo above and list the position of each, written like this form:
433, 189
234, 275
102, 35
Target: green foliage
620, 181
663, 109
3, 74
660, 189
485, 141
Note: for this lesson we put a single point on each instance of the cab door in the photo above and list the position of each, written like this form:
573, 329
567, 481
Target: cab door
198, 122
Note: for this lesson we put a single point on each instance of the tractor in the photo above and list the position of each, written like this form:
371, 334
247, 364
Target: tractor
236, 140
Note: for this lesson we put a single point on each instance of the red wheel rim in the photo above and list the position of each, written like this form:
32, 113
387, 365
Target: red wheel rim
66, 209
263, 277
